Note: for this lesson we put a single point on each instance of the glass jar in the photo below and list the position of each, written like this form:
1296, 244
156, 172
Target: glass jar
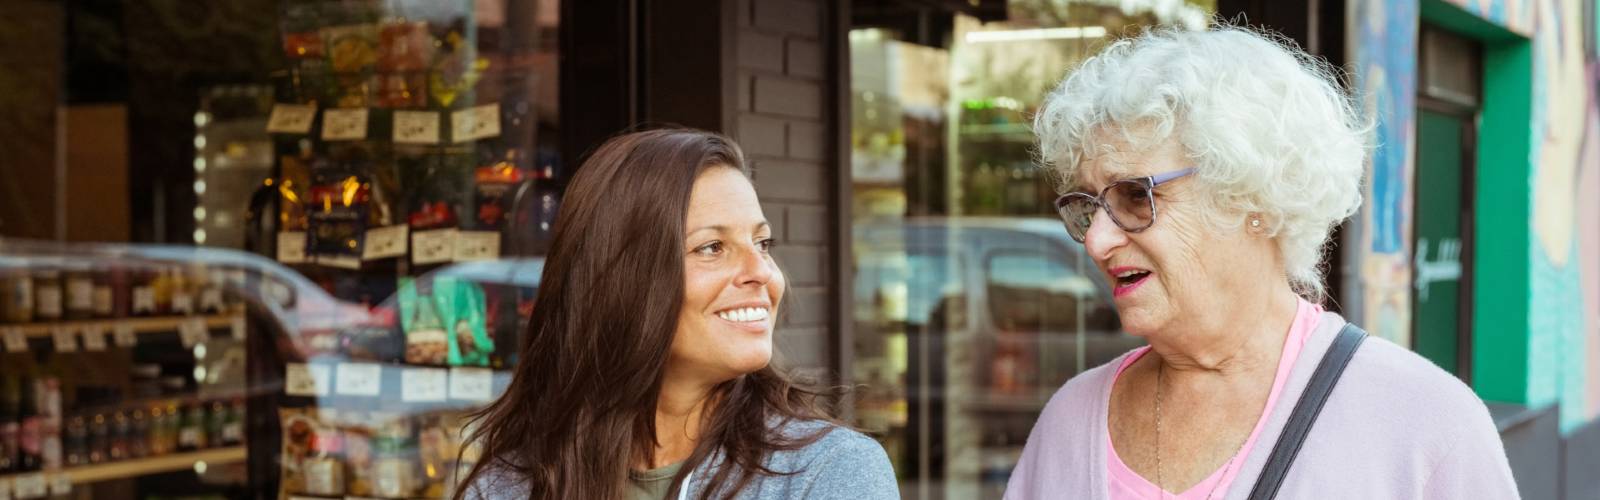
16, 296
47, 295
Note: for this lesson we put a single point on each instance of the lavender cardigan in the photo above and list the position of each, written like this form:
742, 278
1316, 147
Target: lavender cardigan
1396, 426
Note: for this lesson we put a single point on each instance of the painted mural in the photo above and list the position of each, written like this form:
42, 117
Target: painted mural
1564, 267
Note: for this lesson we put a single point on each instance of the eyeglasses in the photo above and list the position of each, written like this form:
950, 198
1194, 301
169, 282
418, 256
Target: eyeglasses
1129, 202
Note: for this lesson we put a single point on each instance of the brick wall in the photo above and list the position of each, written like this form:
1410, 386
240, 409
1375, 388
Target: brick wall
785, 120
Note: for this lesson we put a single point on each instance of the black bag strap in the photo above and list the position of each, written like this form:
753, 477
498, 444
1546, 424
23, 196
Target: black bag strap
1305, 411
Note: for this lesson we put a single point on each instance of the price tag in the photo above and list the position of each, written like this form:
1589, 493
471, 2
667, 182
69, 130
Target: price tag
182, 303
434, 246
211, 299
477, 122
416, 127
351, 263
193, 331
94, 337
291, 118
345, 124
292, 247
359, 379
63, 339
123, 335
477, 245
15, 340
422, 385
384, 242
471, 384
237, 327
301, 379
60, 485
27, 486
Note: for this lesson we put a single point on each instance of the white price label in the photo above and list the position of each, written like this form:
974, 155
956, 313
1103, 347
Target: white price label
292, 247
477, 122
433, 247
416, 127
359, 379
385, 242
291, 118
237, 327
340, 262
477, 245
422, 385
301, 379
15, 340
193, 331
123, 335
27, 486
471, 384
345, 124
60, 485
211, 299
94, 337
64, 339
182, 303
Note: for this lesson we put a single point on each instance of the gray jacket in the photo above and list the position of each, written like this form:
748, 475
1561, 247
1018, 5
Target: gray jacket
844, 464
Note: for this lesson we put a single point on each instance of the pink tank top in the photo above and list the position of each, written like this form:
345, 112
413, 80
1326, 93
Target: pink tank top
1125, 484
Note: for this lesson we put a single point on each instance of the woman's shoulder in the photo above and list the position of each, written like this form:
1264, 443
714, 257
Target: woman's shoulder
1084, 394
496, 482
829, 438
838, 462
1414, 394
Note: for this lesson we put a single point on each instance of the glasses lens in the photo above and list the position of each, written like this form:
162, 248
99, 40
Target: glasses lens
1077, 211
1130, 204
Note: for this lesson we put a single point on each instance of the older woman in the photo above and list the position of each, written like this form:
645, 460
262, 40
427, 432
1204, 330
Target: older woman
1204, 171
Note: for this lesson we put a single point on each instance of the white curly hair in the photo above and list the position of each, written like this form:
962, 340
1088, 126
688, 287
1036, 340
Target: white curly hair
1270, 129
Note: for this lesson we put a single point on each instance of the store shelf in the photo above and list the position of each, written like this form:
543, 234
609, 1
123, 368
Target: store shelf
998, 403
144, 466
154, 324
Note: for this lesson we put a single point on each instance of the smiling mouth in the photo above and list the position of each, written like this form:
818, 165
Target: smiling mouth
1130, 277
745, 315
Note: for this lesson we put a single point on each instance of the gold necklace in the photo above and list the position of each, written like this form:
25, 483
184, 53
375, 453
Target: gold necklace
1161, 370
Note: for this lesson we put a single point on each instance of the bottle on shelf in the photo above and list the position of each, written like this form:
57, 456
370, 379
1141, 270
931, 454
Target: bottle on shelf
118, 436
192, 427
78, 283
47, 295
16, 296
99, 437
142, 286
75, 441
30, 431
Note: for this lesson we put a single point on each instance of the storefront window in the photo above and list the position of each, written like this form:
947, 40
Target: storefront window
352, 200
973, 305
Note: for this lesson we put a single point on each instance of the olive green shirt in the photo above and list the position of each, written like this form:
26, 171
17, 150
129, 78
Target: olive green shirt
653, 484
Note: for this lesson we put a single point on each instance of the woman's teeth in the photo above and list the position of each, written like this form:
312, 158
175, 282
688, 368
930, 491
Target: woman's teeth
744, 315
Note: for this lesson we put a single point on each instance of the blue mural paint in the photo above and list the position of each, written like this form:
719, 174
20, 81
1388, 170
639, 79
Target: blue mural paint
1391, 50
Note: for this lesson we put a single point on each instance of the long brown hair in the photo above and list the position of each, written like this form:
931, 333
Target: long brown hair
581, 404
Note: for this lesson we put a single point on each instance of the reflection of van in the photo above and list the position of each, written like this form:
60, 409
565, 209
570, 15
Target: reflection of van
995, 314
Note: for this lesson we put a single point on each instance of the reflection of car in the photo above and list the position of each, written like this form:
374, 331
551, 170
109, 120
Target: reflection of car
995, 314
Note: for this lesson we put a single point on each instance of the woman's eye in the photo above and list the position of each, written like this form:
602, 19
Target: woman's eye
767, 244
712, 248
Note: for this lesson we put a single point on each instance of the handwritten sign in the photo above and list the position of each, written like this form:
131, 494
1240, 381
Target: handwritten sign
302, 379
27, 486
94, 337
122, 334
359, 379
15, 340
424, 385
434, 246
416, 127
385, 242
344, 124
477, 245
471, 384
291, 118
478, 122
63, 339
292, 247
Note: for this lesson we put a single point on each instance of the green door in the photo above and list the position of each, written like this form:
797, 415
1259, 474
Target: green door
1439, 322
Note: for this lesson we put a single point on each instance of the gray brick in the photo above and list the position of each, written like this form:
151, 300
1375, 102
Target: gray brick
759, 51
808, 141
761, 136
808, 224
789, 16
788, 97
747, 90
804, 58
792, 181
801, 347
805, 306
776, 214
803, 264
